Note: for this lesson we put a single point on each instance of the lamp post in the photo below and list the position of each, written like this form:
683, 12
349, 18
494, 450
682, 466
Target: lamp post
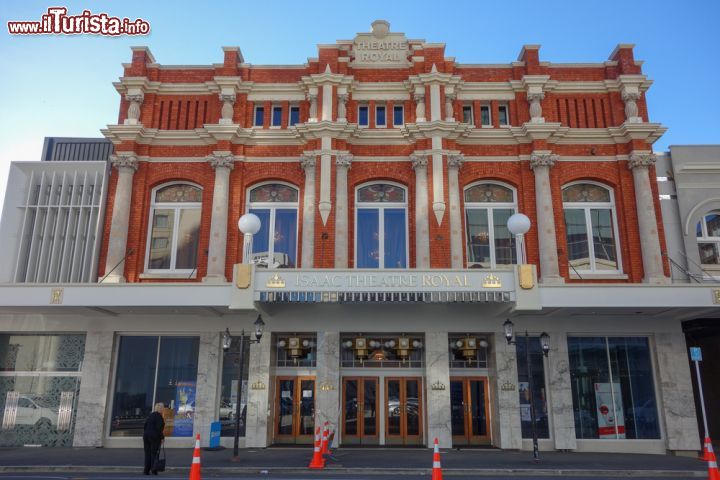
226, 343
249, 224
508, 327
519, 224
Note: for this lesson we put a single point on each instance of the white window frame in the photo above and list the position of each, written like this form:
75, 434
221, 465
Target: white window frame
290, 109
706, 238
384, 107
507, 114
490, 116
273, 206
255, 110
587, 206
490, 207
363, 105
381, 206
402, 109
272, 116
472, 113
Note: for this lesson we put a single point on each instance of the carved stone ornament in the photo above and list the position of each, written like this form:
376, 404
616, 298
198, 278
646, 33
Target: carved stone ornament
418, 161
449, 99
631, 109
641, 160
307, 162
222, 160
535, 107
342, 100
134, 109
312, 98
227, 108
419, 105
543, 160
456, 160
124, 161
344, 160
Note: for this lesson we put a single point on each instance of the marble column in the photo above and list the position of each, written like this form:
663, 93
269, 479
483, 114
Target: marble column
456, 240
507, 400
437, 371
307, 162
560, 387
92, 402
257, 430
647, 221
208, 376
540, 163
327, 388
676, 392
422, 228
126, 166
223, 163
342, 165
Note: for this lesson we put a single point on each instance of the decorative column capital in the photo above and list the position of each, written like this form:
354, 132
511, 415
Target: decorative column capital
227, 97
543, 160
456, 160
344, 160
418, 161
135, 97
124, 161
307, 163
641, 160
627, 95
221, 160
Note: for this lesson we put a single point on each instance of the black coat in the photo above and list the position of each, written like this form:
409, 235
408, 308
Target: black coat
154, 426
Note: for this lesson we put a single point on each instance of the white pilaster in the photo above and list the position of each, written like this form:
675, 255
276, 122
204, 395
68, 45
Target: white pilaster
208, 374
327, 103
342, 165
507, 426
456, 240
437, 372
560, 388
540, 163
435, 108
325, 203
327, 388
93, 396
308, 218
126, 165
257, 431
223, 163
438, 179
422, 227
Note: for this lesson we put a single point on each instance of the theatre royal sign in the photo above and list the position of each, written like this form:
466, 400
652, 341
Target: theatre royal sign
380, 48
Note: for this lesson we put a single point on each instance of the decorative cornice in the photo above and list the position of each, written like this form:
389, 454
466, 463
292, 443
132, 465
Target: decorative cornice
221, 160
124, 161
418, 161
455, 160
641, 160
543, 160
344, 160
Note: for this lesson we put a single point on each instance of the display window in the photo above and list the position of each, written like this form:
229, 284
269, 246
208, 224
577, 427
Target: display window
538, 394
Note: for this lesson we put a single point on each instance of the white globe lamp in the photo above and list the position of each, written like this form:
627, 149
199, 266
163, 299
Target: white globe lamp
249, 224
519, 224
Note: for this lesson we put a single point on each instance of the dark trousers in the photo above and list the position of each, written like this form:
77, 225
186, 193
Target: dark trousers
151, 445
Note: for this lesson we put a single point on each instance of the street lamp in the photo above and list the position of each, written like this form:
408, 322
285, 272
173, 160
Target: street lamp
226, 343
249, 224
519, 224
508, 328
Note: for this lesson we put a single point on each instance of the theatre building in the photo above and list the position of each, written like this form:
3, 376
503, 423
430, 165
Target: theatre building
383, 174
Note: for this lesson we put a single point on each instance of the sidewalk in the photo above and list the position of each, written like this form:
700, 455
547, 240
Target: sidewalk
356, 460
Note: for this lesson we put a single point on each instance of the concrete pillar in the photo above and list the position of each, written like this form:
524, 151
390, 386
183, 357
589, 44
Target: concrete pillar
325, 202
208, 375
560, 389
437, 371
307, 162
257, 430
647, 221
422, 228
676, 404
540, 163
342, 163
126, 166
223, 163
438, 180
508, 434
456, 240
92, 400
327, 387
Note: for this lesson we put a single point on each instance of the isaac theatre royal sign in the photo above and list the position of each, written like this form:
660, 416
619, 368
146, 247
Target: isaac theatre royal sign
380, 48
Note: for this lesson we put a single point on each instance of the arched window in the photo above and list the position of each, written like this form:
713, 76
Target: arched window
276, 204
708, 238
487, 209
381, 239
175, 228
590, 214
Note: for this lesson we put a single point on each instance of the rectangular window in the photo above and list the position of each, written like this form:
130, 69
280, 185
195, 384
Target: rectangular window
294, 115
229, 387
395, 241
485, 120
613, 388
368, 238
363, 119
398, 115
259, 116
602, 256
41, 353
276, 116
380, 116
537, 396
153, 369
467, 112
503, 117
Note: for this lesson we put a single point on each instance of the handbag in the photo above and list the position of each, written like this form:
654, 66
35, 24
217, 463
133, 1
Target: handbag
160, 459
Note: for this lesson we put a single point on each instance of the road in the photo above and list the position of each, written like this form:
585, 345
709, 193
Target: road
125, 476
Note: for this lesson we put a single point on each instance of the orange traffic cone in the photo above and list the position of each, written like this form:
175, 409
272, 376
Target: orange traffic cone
195, 467
713, 473
317, 460
707, 449
437, 469
324, 444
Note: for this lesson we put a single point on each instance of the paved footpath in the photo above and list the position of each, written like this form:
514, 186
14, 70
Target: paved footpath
393, 461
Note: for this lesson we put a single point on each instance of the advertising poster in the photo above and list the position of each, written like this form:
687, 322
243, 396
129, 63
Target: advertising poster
184, 409
524, 391
608, 419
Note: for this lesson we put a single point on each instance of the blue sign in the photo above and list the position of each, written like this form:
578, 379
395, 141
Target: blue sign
695, 354
214, 435
184, 409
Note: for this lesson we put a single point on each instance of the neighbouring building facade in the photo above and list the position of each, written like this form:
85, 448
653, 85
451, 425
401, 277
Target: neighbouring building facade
384, 174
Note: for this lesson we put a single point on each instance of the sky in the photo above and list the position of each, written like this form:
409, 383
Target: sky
52, 85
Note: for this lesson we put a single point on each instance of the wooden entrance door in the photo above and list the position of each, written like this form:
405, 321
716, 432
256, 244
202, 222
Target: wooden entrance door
294, 410
403, 411
469, 410
360, 411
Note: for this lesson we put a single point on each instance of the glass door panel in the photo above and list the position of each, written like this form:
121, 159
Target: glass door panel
393, 407
360, 410
457, 410
412, 407
295, 410
469, 410
350, 423
306, 410
403, 411
477, 408
286, 407
370, 419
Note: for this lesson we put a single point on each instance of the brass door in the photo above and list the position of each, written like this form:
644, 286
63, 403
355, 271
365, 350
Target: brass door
295, 410
469, 411
403, 411
360, 411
